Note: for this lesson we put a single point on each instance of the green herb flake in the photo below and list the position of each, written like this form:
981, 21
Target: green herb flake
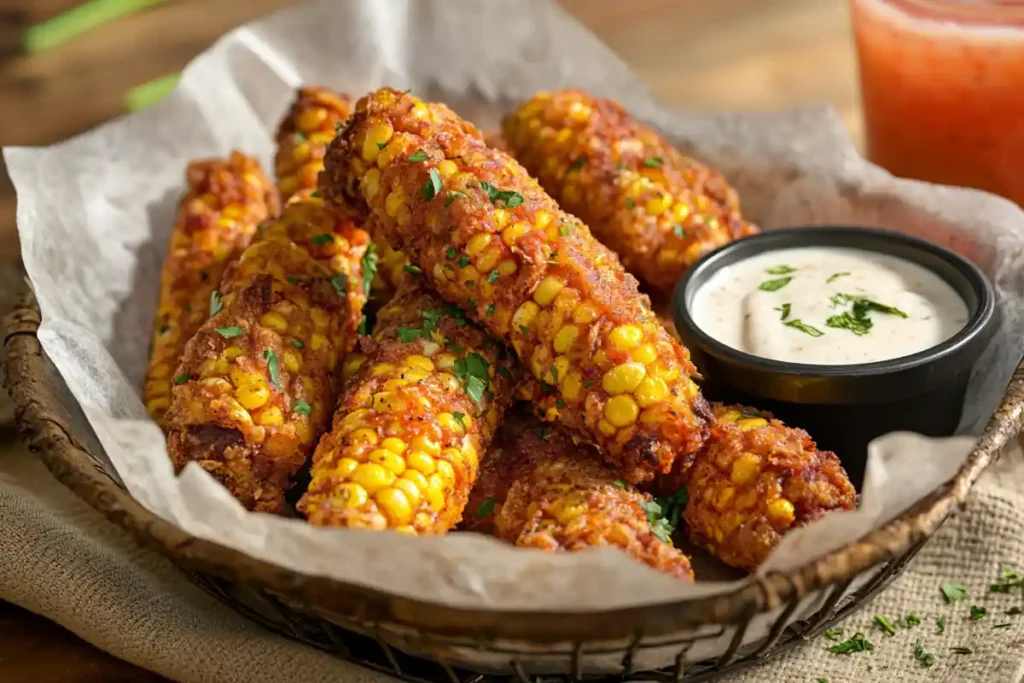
977, 612
524, 329
926, 658
809, 330
362, 326
339, 281
774, 285
621, 484
486, 508
315, 194
783, 311
679, 232
505, 372
230, 332
408, 334
272, 368
452, 196
1010, 579
450, 253
820, 680
885, 625
834, 633
322, 238
300, 136
490, 310
961, 650
381, 145
292, 280
433, 186
653, 162
302, 408
463, 261
411, 269
216, 303
630, 203
458, 417
563, 230
953, 592
502, 198
577, 165
912, 620
941, 625
493, 276
182, 378
475, 388
835, 276
163, 328
780, 270
857, 643
369, 264
418, 156
847, 321
297, 343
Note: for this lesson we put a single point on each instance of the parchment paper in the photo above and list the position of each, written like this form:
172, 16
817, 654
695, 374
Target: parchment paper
95, 212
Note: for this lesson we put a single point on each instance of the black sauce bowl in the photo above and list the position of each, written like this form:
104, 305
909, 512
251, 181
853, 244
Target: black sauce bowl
846, 406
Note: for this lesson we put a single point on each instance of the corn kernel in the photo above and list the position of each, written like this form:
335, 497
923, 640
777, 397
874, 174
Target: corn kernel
680, 211
363, 436
541, 219
625, 337
584, 313
377, 133
436, 486
445, 469
745, 469
160, 371
724, 497
781, 511
621, 410
350, 495
421, 462
449, 423
387, 459
425, 444
158, 404
524, 315
565, 338
270, 417
395, 505
370, 184
571, 385
412, 492
232, 352
511, 234
500, 218
416, 477
393, 203
651, 390
356, 418
447, 168
559, 369
372, 477
477, 243
345, 467
645, 353
506, 267
547, 290
318, 342
291, 360
381, 369
419, 362
393, 444
749, 423
388, 402
606, 427
656, 206
487, 259
253, 396
623, 379
240, 376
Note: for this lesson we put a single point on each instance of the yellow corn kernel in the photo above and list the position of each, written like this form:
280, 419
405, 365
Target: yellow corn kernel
413, 376
445, 361
547, 290
425, 444
586, 312
345, 467
158, 403
559, 369
393, 203
355, 418
270, 417
500, 218
350, 495
421, 462
571, 385
623, 379
291, 360
395, 505
569, 511
388, 402
447, 168
650, 391
240, 376
274, 321
724, 497
680, 211
658, 205
621, 410
412, 492
252, 396
370, 184
393, 444
781, 511
625, 337
487, 259
477, 243
524, 315
231, 352
317, 341
435, 492
506, 267
416, 477
606, 427
303, 431
745, 469
448, 422
387, 459
541, 219
419, 362
372, 477
381, 369
445, 469
511, 234
363, 436
645, 353
378, 133
160, 371
565, 338
749, 423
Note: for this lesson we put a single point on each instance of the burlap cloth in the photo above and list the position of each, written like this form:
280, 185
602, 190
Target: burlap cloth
62, 560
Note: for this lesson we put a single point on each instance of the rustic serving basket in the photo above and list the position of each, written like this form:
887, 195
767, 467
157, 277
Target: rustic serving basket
419, 641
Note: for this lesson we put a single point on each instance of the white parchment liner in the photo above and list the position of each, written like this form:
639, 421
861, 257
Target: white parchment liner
95, 212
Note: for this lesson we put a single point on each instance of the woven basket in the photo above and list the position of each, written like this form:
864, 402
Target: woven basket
419, 641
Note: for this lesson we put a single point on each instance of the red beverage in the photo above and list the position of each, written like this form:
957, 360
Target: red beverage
943, 87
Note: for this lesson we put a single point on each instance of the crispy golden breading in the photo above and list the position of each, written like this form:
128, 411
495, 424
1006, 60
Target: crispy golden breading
258, 382
488, 237
303, 134
755, 480
404, 449
656, 208
537, 489
217, 216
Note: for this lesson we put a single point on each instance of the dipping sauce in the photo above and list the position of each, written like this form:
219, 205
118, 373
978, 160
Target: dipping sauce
828, 306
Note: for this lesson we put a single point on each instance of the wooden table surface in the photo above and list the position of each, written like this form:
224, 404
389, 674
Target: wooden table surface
699, 54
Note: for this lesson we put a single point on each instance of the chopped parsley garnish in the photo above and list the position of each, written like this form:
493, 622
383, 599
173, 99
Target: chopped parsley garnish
182, 378
953, 592
1010, 580
834, 633
452, 196
559, 403
230, 332
418, 156
885, 625
463, 261
163, 328
912, 620
835, 276
926, 658
563, 230
475, 388
780, 270
322, 238
315, 194
554, 374
338, 125
663, 513
275, 372
630, 203
433, 185
977, 612
408, 334
653, 162
216, 303
381, 145
809, 330
297, 343
471, 370
486, 508
773, 285
961, 650
783, 310
506, 198
369, 263
292, 280
493, 276
340, 283
820, 680
856, 319
411, 269
577, 165
300, 136
857, 643
621, 484
490, 310
450, 253
362, 325
504, 371
941, 624
524, 329
847, 321
458, 417
302, 408
679, 232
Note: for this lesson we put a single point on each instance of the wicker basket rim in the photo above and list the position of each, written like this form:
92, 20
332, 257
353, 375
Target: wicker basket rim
43, 424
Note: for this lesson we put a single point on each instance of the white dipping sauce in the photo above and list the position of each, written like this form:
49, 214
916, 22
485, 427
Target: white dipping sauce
828, 306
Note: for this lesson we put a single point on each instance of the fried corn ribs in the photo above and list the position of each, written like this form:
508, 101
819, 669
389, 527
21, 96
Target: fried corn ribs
404, 449
258, 382
217, 216
537, 489
656, 208
303, 135
487, 236
756, 480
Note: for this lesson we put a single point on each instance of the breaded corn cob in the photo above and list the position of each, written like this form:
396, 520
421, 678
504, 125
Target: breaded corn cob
487, 236
538, 489
217, 217
656, 208
258, 382
756, 480
405, 444
302, 138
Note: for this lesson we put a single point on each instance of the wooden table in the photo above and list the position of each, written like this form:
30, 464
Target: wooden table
700, 54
